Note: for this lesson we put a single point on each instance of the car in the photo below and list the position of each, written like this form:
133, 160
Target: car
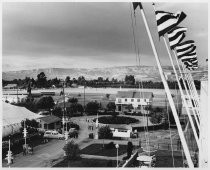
73, 132
53, 135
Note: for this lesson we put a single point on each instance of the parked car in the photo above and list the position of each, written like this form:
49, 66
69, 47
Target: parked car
53, 135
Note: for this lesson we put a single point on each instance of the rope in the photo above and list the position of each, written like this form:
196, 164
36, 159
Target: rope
133, 31
138, 65
169, 124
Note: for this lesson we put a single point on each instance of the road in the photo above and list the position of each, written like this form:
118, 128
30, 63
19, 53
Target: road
48, 154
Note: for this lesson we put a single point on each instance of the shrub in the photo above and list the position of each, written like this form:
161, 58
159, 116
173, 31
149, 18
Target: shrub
110, 145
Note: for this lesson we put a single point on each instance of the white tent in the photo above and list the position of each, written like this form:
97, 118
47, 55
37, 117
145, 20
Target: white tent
12, 117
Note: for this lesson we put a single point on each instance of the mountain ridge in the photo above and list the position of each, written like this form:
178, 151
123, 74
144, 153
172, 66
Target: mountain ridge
144, 73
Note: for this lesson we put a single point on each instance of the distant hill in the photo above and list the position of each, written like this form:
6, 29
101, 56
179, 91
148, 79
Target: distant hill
145, 73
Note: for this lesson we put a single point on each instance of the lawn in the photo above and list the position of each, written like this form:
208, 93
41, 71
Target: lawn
82, 162
97, 149
164, 159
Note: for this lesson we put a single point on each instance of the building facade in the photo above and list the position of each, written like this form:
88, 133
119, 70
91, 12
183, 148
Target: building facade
49, 123
133, 101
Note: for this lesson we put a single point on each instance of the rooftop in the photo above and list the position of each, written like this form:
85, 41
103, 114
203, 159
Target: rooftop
134, 94
50, 119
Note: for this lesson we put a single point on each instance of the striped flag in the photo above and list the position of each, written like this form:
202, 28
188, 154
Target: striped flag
176, 35
136, 4
166, 21
189, 50
189, 57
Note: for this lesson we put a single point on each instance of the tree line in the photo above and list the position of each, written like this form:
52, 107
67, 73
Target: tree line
129, 82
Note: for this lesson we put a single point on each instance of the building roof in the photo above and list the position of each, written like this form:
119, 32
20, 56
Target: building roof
15, 114
50, 119
134, 94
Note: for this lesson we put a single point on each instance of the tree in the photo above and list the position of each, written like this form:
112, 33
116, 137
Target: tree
130, 79
72, 150
41, 80
105, 133
107, 96
45, 103
57, 112
129, 149
92, 107
31, 126
111, 106
73, 100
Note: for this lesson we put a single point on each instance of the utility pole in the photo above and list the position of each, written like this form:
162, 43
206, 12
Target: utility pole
17, 95
64, 106
84, 97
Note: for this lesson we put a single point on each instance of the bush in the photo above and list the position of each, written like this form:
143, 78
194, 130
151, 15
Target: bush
110, 145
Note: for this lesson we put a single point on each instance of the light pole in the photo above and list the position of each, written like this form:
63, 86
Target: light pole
136, 133
117, 146
84, 98
9, 155
25, 132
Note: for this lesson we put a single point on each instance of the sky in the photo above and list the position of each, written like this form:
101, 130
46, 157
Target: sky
90, 34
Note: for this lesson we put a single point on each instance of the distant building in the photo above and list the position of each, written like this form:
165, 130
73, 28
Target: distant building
10, 86
133, 101
50, 122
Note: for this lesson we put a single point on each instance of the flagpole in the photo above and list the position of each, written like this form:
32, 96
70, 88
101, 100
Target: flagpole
190, 82
189, 94
186, 90
195, 99
182, 95
171, 102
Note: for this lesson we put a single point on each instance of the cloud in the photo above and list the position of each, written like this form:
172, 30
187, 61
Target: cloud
87, 34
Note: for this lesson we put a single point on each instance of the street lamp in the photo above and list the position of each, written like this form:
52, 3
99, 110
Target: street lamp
117, 146
136, 133
25, 132
9, 155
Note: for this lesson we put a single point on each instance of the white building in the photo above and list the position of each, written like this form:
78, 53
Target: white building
133, 101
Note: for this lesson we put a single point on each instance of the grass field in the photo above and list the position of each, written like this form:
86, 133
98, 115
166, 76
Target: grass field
92, 94
97, 149
164, 159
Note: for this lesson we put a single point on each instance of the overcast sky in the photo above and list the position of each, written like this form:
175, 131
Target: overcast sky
90, 35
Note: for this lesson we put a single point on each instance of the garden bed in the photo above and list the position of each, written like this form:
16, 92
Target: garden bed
83, 162
97, 149
117, 120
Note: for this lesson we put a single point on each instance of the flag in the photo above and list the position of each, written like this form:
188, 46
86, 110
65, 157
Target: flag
189, 57
176, 35
136, 4
166, 21
189, 50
